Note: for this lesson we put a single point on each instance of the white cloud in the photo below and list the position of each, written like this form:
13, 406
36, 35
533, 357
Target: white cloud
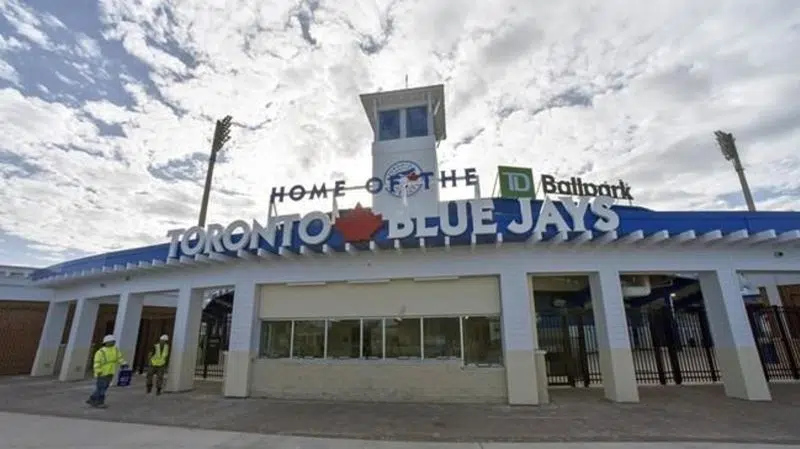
607, 90
8, 72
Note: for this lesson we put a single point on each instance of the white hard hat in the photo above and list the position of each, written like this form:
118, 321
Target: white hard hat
164, 337
109, 339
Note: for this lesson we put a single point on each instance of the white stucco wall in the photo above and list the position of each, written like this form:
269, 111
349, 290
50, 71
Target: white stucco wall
397, 380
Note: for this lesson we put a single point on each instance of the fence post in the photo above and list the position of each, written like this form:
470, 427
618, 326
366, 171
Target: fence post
584, 356
779, 318
568, 348
751, 315
672, 343
707, 343
657, 339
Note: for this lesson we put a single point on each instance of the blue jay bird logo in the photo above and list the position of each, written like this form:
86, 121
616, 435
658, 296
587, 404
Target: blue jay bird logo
403, 175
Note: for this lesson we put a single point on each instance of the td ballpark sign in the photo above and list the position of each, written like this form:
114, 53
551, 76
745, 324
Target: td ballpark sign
358, 225
517, 182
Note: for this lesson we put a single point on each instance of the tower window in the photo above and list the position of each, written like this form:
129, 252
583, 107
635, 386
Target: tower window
389, 124
417, 121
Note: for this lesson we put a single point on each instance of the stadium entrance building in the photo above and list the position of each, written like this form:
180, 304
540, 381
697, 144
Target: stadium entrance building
482, 299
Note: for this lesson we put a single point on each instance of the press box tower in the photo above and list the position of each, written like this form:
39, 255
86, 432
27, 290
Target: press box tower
407, 126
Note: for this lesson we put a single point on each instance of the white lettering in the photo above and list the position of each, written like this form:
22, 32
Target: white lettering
214, 239
449, 229
227, 235
549, 216
322, 236
195, 232
174, 240
423, 230
576, 211
400, 228
607, 218
526, 218
482, 220
260, 232
288, 225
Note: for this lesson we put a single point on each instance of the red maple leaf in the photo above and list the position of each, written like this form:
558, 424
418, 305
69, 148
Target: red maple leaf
412, 176
359, 224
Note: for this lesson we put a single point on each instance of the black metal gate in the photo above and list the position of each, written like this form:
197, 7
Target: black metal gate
776, 331
671, 346
214, 333
571, 344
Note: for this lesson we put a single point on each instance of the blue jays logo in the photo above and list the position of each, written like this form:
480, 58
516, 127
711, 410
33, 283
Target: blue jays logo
403, 175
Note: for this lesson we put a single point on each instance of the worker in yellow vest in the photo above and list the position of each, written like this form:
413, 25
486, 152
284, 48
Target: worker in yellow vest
158, 364
107, 360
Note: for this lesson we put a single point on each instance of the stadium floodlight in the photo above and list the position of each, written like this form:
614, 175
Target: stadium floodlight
222, 133
727, 145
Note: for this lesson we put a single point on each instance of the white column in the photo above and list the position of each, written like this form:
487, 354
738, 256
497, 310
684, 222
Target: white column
519, 334
737, 355
77, 353
613, 342
50, 342
773, 295
126, 324
244, 340
183, 357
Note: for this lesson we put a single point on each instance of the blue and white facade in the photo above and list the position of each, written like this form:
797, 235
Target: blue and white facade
418, 299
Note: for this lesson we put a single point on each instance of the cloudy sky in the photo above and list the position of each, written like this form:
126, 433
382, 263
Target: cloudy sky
107, 107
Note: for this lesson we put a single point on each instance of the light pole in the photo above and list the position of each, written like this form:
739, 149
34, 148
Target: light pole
222, 133
727, 144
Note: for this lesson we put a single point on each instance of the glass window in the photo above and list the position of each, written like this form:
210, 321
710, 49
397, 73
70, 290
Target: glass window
389, 124
482, 343
417, 121
343, 337
275, 339
403, 338
309, 339
442, 338
373, 339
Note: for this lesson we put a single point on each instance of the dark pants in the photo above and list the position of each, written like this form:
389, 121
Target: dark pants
101, 385
158, 372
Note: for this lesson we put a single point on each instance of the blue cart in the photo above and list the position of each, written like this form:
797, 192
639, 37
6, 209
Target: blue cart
124, 377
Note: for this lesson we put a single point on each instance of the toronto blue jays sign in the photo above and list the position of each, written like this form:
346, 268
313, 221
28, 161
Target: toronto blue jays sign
401, 178
457, 220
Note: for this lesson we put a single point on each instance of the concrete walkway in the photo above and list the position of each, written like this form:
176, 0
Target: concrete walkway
40, 432
665, 414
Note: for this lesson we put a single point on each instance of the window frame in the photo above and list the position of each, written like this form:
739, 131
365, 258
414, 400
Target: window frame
405, 128
400, 123
383, 359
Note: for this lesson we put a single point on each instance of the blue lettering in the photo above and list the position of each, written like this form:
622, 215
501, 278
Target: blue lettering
318, 192
444, 178
470, 176
373, 185
338, 189
296, 193
279, 194
426, 178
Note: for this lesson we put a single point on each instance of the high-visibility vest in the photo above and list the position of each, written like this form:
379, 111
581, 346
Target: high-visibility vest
106, 361
160, 353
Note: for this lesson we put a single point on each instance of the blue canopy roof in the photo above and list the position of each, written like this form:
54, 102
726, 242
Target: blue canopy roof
635, 223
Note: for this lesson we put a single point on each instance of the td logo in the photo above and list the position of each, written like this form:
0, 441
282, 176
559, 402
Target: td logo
516, 182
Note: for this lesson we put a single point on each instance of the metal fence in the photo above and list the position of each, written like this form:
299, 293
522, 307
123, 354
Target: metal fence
777, 334
213, 347
571, 344
671, 347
